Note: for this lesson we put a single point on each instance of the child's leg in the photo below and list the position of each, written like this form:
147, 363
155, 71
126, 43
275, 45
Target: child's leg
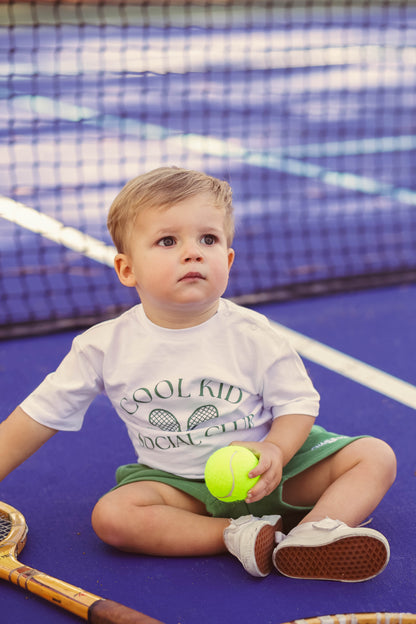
157, 519
344, 489
346, 486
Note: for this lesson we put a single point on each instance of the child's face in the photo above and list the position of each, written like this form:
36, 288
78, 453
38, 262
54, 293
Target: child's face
179, 261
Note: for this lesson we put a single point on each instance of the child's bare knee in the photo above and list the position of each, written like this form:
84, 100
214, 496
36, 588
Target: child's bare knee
106, 522
382, 458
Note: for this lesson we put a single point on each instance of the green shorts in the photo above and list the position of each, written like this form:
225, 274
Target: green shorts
319, 445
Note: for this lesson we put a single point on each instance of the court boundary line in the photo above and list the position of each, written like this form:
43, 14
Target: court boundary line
56, 231
311, 349
220, 148
350, 367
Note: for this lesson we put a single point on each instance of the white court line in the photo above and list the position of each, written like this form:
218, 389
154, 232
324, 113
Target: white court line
220, 148
349, 367
258, 52
54, 230
351, 147
312, 350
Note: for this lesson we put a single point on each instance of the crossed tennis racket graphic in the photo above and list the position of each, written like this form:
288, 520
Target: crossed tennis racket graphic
166, 421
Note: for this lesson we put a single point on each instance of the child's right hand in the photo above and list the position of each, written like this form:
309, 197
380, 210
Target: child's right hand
269, 468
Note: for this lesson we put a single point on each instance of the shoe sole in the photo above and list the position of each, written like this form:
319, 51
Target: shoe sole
349, 559
264, 546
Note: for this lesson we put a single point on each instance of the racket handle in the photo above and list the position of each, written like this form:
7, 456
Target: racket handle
109, 612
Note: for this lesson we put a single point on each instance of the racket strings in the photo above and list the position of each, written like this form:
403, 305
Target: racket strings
5, 527
166, 421
201, 415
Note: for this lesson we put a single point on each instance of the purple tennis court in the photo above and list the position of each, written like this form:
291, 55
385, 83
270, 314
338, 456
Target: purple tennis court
57, 488
307, 109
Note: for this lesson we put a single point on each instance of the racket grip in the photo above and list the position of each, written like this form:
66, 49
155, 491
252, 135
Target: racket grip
109, 612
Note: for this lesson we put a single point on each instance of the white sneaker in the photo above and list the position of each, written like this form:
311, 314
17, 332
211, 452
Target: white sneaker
331, 550
252, 541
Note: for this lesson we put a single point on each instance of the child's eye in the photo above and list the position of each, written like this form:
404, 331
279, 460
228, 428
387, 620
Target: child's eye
209, 239
166, 241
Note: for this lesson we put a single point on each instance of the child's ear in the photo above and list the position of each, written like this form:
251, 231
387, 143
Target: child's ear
231, 256
124, 270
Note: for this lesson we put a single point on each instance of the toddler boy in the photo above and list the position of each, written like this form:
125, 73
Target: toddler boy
189, 372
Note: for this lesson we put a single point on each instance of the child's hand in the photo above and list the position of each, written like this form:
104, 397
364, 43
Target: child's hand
270, 468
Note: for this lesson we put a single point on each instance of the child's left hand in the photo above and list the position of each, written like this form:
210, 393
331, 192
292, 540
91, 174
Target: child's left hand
270, 468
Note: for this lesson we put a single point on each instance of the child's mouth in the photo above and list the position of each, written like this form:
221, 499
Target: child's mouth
192, 275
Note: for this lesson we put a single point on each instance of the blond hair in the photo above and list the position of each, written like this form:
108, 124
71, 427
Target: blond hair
162, 188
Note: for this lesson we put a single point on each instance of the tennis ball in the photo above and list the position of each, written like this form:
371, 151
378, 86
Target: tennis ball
226, 473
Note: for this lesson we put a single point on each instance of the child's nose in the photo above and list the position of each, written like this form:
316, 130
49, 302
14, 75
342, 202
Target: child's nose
192, 253
193, 257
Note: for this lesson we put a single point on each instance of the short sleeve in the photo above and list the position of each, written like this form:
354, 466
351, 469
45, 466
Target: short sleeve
63, 397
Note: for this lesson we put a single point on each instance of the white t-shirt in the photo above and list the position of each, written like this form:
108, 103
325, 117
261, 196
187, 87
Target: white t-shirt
181, 393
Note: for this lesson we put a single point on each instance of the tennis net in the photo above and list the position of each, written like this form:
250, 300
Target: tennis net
306, 108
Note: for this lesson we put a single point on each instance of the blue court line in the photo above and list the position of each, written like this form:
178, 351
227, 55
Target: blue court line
226, 150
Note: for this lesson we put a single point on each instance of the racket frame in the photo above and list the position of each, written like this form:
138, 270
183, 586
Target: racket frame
84, 604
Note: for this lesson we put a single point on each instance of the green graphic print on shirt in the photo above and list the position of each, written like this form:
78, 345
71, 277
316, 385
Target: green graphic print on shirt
139, 403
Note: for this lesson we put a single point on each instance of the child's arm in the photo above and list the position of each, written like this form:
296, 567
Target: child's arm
20, 437
286, 436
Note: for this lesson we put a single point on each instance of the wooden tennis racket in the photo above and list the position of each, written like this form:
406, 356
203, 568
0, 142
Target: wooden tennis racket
13, 533
360, 618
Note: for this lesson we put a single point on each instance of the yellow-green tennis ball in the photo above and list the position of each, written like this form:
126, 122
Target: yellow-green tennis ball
226, 473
